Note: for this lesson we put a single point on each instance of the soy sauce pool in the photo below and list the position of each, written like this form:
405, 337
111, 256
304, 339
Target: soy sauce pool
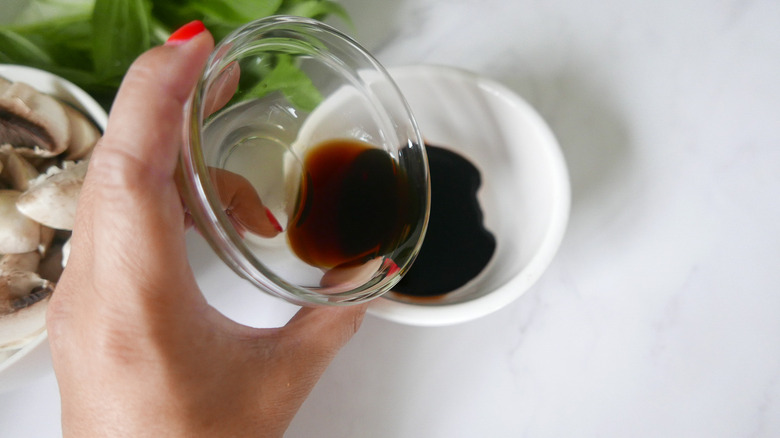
355, 204
457, 246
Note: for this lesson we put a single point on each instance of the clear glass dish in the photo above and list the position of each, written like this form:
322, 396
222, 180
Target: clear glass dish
302, 164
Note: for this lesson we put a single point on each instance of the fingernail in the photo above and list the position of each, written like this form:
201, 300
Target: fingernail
392, 268
185, 33
273, 220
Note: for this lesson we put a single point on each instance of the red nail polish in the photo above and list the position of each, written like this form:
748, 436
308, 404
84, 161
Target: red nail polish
185, 33
392, 268
273, 220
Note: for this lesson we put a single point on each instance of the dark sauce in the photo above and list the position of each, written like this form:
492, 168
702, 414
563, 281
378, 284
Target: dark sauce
457, 247
355, 204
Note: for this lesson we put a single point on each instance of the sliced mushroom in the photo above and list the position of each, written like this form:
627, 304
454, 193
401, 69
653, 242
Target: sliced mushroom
52, 197
4, 84
47, 239
18, 233
33, 122
17, 171
23, 300
27, 261
51, 267
83, 134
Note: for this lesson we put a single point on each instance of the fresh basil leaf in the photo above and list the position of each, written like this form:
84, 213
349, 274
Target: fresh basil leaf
316, 9
93, 42
16, 49
287, 78
68, 42
236, 11
120, 32
174, 13
40, 12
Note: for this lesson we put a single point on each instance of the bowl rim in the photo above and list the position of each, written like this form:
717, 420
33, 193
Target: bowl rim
440, 315
31, 345
203, 201
64, 89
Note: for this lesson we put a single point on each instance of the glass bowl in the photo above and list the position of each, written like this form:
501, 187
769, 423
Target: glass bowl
303, 166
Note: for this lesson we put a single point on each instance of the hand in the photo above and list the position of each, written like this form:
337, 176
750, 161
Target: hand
137, 350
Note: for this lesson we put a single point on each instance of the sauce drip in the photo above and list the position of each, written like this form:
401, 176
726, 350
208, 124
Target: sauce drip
457, 247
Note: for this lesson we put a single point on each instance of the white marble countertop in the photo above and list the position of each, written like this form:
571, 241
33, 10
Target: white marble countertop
660, 316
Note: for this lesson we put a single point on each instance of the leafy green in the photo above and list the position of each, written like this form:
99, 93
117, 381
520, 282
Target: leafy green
93, 42
316, 9
46, 12
290, 80
120, 31
18, 48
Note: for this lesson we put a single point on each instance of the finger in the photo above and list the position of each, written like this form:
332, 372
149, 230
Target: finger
318, 333
131, 219
223, 88
345, 277
242, 204
147, 112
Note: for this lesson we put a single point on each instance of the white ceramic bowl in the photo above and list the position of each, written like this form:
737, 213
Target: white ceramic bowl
33, 360
525, 192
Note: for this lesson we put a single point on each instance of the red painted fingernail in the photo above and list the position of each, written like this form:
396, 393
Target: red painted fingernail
392, 268
273, 220
185, 33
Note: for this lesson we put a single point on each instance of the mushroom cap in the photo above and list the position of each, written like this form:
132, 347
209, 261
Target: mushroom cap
23, 300
18, 233
47, 239
27, 262
4, 84
83, 134
32, 121
52, 197
17, 171
50, 267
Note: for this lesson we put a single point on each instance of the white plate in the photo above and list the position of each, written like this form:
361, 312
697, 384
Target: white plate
34, 359
525, 193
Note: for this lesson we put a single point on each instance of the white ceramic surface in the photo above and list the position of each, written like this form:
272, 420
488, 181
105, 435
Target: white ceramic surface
524, 193
34, 359
658, 316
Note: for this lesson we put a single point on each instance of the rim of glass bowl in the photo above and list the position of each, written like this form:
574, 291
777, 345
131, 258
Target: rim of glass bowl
201, 197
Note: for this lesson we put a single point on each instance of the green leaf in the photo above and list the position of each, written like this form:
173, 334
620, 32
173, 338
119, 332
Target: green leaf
41, 12
93, 42
236, 11
174, 13
315, 9
287, 78
16, 49
120, 32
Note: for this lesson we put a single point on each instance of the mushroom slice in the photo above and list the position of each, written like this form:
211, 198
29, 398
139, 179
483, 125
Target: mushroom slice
4, 84
83, 134
53, 196
51, 267
18, 233
17, 171
47, 239
32, 121
23, 300
27, 261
